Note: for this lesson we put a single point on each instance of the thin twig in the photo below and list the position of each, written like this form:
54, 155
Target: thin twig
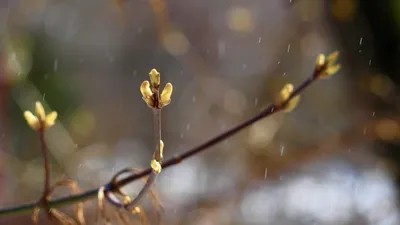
168, 163
47, 169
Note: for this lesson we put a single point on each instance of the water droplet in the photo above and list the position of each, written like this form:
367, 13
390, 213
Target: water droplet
188, 126
259, 40
194, 99
284, 74
181, 135
282, 149
256, 101
55, 66
265, 173
361, 40
373, 113
288, 48
370, 61
279, 62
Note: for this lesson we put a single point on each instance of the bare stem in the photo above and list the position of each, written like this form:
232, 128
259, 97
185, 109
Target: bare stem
273, 108
157, 156
47, 169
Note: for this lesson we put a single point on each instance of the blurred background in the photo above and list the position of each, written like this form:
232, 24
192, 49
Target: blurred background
333, 160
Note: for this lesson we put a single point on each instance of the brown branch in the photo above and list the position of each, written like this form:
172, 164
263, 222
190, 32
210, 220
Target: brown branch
114, 186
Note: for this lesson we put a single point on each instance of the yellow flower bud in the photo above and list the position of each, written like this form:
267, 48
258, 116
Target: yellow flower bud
156, 166
161, 148
40, 111
165, 97
333, 57
32, 120
50, 119
127, 200
291, 104
154, 78
145, 89
326, 68
320, 60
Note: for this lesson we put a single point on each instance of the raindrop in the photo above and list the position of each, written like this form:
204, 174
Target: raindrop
282, 149
360, 51
370, 61
181, 135
279, 62
194, 99
244, 66
361, 40
265, 173
259, 40
365, 130
256, 101
188, 126
284, 74
55, 66
44, 95
288, 48
373, 113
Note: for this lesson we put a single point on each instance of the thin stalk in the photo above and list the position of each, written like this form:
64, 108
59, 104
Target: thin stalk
273, 108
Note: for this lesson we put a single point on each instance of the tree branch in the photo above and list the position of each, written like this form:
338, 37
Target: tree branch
323, 69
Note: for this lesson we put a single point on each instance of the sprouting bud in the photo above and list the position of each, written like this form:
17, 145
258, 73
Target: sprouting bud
327, 67
127, 200
161, 148
284, 95
136, 210
155, 78
320, 60
333, 57
165, 97
145, 89
32, 120
40, 120
50, 119
156, 166
291, 104
40, 111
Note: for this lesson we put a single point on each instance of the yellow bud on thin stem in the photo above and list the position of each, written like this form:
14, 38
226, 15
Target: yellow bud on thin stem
40, 111
156, 166
154, 78
32, 120
145, 89
161, 148
320, 60
50, 119
166, 94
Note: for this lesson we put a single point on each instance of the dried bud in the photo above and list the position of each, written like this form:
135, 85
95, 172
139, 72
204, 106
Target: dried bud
155, 78
165, 97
